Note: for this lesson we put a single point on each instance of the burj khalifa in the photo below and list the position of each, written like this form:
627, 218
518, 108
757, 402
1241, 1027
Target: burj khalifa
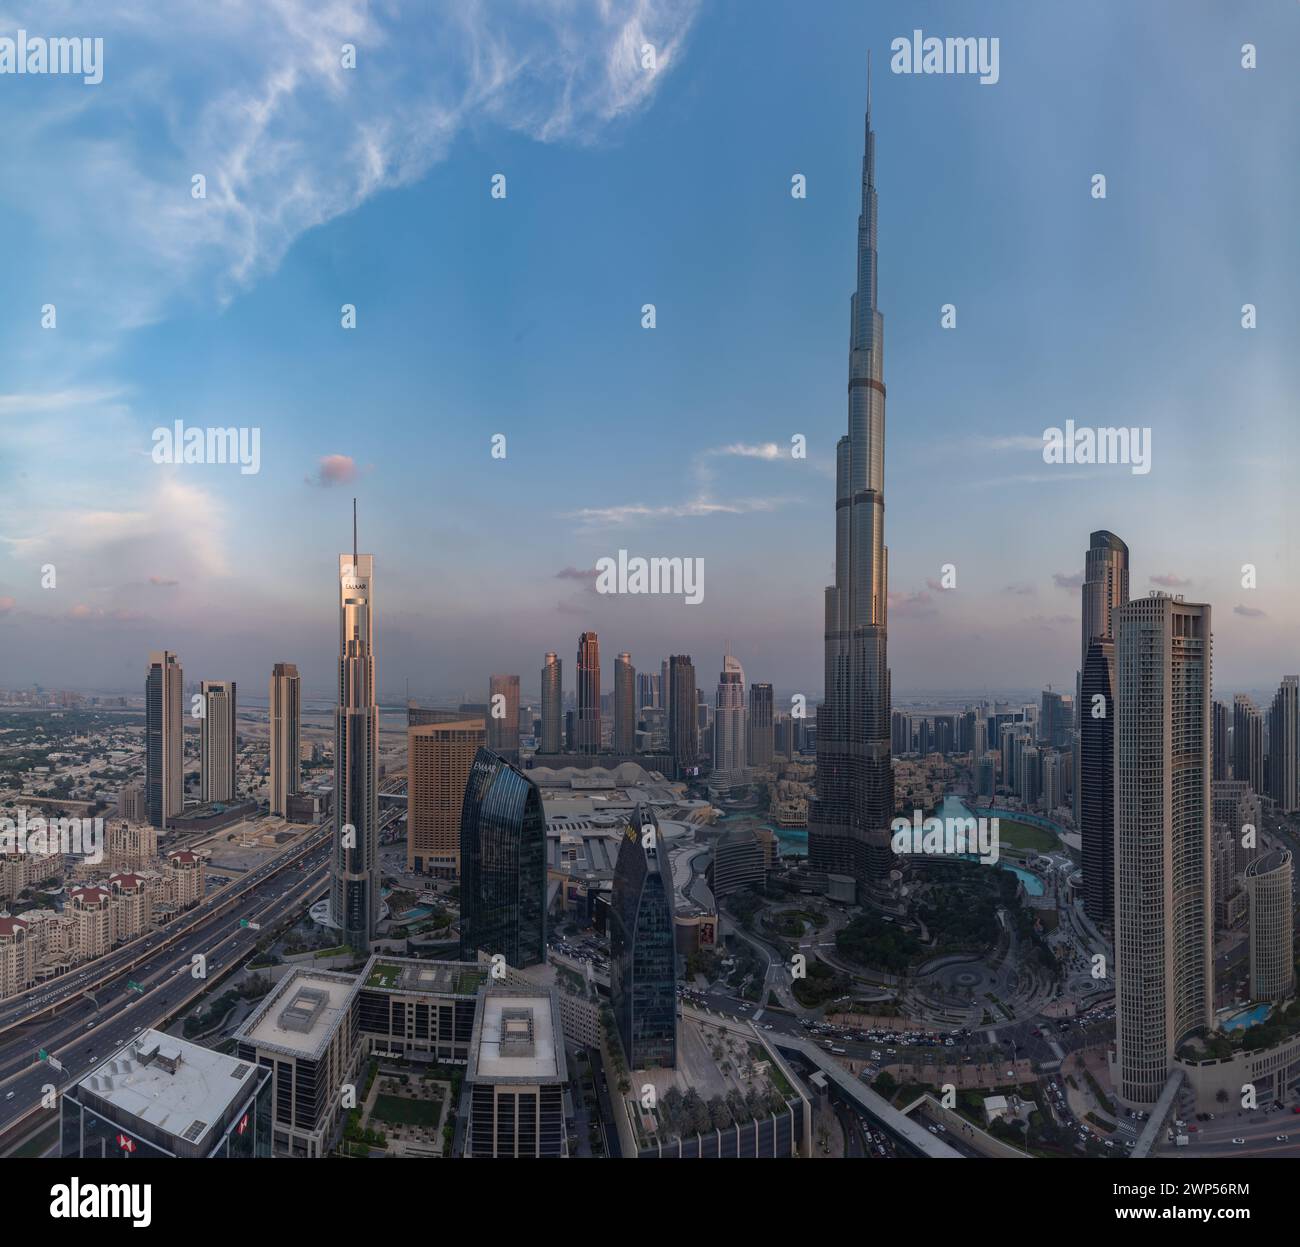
848, 825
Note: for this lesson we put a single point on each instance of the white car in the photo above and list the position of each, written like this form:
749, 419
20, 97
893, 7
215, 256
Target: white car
1239, 1140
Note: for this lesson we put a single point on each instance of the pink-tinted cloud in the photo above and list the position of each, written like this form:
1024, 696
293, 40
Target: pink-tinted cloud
334, 470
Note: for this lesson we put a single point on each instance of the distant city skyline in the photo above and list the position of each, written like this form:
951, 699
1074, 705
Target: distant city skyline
232, 317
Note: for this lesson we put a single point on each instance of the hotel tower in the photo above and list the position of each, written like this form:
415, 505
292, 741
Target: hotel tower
848, 825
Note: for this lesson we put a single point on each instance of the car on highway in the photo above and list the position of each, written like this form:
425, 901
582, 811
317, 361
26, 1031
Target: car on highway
1281, 1138
1239, 1140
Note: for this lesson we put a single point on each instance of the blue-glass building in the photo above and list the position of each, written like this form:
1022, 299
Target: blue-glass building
643, 954
502, 864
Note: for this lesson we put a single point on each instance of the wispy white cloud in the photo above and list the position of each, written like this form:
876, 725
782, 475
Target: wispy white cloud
40, 404
598, 516
703, 502
764, 450
293, 139
177, 524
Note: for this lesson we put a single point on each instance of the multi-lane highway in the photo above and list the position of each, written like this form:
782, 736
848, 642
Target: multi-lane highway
85, 1016
47, 998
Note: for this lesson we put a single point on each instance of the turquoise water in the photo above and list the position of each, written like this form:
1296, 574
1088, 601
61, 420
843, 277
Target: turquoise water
1033, 884
793, 841
954, 807
1246, 1017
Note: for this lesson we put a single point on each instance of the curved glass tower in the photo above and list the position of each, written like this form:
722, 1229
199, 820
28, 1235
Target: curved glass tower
643, 954
848, 825
502, 864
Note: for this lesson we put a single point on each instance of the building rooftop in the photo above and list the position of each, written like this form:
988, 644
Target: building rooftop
409, 974
517, 1038
176, 1086
300, 1017
1267, 862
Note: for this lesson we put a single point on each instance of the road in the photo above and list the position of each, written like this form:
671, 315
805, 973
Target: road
81, 1028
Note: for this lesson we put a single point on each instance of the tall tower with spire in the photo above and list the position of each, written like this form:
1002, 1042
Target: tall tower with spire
848, 825
354, 877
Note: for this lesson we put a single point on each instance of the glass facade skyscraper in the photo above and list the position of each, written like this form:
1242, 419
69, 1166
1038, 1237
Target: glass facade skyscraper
760, 739
643, 954
848, 822
587, 720
1096, 780
164, 747
552, 704
503, 716
625, 707
1105, 590
683, 721
502, 864
354, 883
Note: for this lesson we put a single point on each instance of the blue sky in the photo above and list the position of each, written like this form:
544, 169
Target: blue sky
522, 316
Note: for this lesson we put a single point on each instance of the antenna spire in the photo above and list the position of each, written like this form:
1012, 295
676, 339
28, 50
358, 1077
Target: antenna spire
354, 532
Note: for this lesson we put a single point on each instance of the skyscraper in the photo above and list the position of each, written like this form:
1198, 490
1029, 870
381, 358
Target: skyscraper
761, 721
848, 823
1096, 783
1282, 746
1055, 719
643, 954
1222, 756
1164, 928
285, 701
647, 690
1272, 926
1105, 590
1105, 585
587, 720
625, 707
1248, 743
164, 738
354, 875
502, 864
217, 741
683, 725
438, 759
503, 716
729, 722
552, 703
